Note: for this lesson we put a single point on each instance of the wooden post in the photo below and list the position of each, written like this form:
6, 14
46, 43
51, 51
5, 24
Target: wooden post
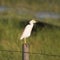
25, 52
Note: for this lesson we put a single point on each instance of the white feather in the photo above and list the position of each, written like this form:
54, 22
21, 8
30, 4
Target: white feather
27, 30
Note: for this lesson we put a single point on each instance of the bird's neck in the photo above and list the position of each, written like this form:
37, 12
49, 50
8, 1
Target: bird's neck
31, 24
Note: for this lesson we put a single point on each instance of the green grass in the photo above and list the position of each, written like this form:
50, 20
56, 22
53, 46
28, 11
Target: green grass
43, 40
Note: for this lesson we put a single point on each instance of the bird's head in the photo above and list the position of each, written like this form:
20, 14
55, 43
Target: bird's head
32, 21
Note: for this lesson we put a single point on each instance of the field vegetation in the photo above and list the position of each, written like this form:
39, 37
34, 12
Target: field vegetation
45, 38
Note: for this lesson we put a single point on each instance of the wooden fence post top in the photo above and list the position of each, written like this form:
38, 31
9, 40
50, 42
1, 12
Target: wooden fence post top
25, 51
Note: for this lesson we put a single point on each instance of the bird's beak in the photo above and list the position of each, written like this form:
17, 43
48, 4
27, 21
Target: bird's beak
35, 21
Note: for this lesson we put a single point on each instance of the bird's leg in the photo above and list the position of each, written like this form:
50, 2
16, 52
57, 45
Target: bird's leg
25, 40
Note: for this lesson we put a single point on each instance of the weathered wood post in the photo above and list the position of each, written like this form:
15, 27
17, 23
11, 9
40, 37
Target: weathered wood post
25, 51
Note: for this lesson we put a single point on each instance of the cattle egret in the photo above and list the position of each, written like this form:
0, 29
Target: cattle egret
27, 30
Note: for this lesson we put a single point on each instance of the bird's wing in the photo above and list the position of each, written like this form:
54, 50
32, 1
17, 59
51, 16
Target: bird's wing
26, 32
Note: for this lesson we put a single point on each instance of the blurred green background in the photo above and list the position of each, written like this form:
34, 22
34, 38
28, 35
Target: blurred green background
45, 37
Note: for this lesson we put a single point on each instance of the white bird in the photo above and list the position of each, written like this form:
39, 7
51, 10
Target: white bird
27, 30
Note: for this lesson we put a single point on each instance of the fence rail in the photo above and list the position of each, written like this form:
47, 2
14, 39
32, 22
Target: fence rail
17, 55
33, 53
